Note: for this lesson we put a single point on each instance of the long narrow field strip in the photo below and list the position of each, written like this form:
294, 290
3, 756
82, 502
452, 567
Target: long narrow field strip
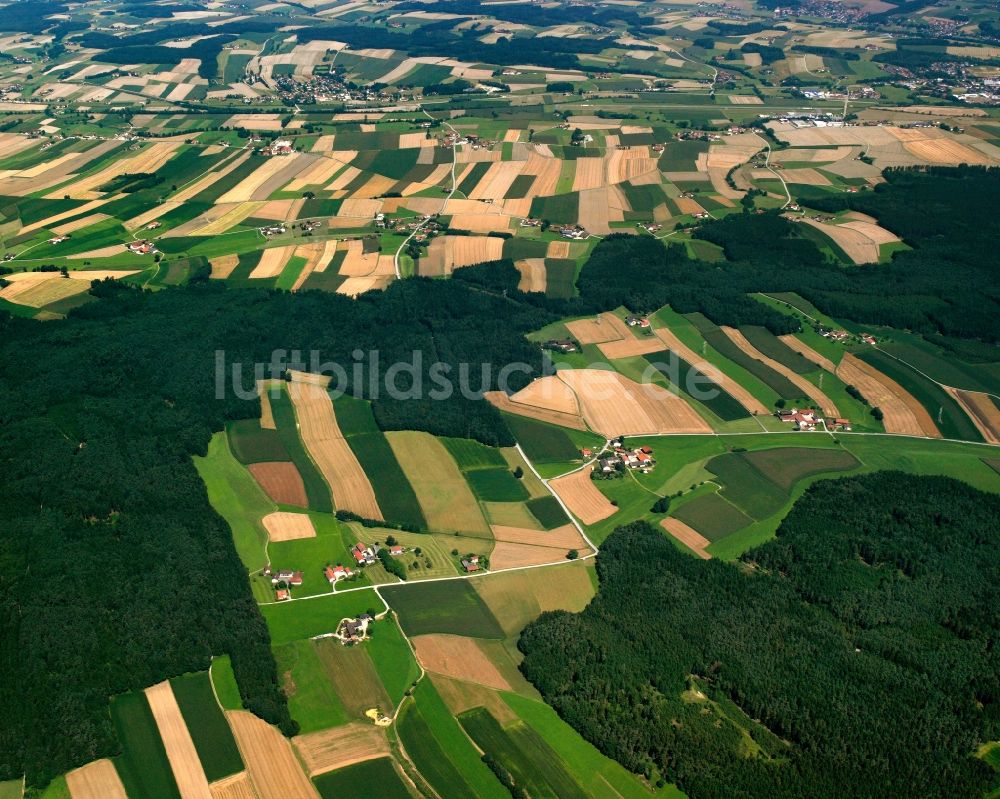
582, 497
688, 536
460, 657
901, 413
213, 740
981, 410
808, 389
508, 555
97, 780
614, 405
338, 747
630, 347
284, 526
445, 498
331, 453
271, 763
807, 352
143, 764
272, 261
146, 160
316, 488
183, 757
561, 538
735, 390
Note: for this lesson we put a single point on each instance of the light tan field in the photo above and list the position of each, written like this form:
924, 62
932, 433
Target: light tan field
872, 231
546, 168
97, 780
318, 256
203, 183
804, 176
939, 110
338, 747
356, 262
807, 352
688, 536
614, 405
559, 249
600, 207
279, 210
629, 164
237, 786
582, 497
496, 182
281, 481
252, 183
507, 555
37, 293
606, 327
501, 401
688, 205
548, 392
822, 401
517, 598
442, 492
231, 216
183, 757
629, 347
859, 248
533, 275
981, 410
223, 266
746, 99
561, 538
272, 261
269, 759
331, 453
268, 122
901, 412
480, 223
589, 174
284, 526
447, 253
946, 151
78, 224
459, 657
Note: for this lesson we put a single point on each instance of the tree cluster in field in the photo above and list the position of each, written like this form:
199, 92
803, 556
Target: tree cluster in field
391, 564
852, 656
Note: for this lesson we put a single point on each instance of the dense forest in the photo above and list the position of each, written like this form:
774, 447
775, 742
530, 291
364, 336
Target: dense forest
853, 656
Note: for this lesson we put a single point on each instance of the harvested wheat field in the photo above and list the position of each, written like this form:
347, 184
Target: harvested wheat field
97, 780
318, 256
582, 497
562, 538
600, 207
338, 747
269, 757
149, 159
589, 174
629, 347
38, 293
331, 453
223, 266
980, 408
238, 786
735, 390
481, 223
606, 327
282, 482
823, 402
533, 274
460, 657
447, 253
859, 248
356, 262
614, 405
264, 388
261, 177
284, 526
183, 757
901, 412
807, 352
272, 261
460, 695
549, 393
221, 218
507, 555
501, 401
688, 536
559, 249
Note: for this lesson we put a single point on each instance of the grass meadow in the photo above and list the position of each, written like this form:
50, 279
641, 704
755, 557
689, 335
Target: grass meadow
443, 607
376, 777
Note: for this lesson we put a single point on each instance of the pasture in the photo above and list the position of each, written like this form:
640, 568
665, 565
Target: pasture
371, 777
295, 621
314, 700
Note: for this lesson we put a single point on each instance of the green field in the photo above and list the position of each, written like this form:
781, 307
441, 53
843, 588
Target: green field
450, 606
305, 618
712, 516
224, 682
394, 662
542, 443
548, 511
693, 382
442, 752
142, 764
524, 753
209, 730
362, 780
469, 454
252, 443
236, 497
313, 700
317, 491
496, 485
771, 346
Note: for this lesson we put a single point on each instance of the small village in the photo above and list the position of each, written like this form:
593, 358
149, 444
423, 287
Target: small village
621, 458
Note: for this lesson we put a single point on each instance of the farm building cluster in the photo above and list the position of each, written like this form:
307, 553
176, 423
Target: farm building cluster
620, 459
808, 420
